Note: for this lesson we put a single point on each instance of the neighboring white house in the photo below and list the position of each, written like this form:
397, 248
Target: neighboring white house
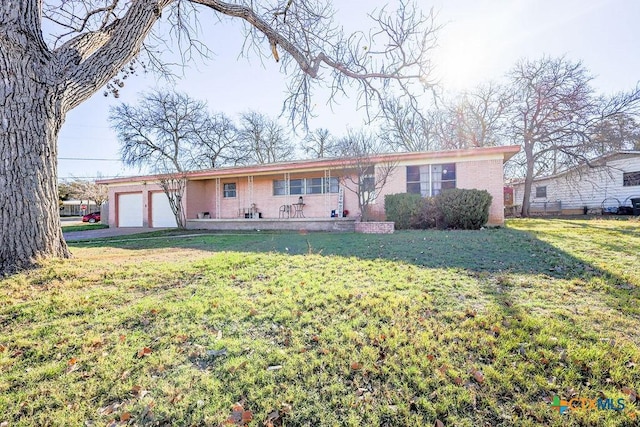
611, 181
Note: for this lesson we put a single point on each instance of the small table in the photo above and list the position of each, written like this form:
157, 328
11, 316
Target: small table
298, 210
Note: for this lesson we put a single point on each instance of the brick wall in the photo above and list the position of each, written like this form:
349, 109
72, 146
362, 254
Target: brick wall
375, 227
484, 175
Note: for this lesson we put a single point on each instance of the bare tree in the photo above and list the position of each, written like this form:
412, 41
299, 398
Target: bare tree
405, 128
481, 115
552, 96
161, 134
89, 190
618, 132
217, 144
263, 140
361, 172
93, 43
557, 117
319, 143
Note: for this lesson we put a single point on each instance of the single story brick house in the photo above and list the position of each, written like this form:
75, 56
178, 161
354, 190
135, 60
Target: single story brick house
303, 194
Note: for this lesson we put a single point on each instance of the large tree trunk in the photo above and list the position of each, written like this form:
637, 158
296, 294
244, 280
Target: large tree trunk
30, 118
528, 179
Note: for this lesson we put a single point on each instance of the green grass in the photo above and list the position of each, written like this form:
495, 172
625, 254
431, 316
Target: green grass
471, 328
95, 226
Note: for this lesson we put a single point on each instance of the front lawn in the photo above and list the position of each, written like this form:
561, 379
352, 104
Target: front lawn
469, 328
84, 227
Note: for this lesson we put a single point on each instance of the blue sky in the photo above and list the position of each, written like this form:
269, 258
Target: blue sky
480, 41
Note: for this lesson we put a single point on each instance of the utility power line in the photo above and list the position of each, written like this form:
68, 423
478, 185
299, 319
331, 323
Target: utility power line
88, 159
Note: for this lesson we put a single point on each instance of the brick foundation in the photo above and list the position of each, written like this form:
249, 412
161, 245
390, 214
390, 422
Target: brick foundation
386, 227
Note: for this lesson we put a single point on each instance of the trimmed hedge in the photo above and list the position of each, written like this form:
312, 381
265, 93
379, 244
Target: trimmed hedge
455, 208
464, 209
402, 208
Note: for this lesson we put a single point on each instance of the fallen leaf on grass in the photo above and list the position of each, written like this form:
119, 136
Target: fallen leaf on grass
271, 418
274, 367
2, 348
247, 416
234, 369
438, 423
138, 391
122, 338
109, 409
124, 417
356, 366
478, 376
144, 352
286, 408
633, 395
430, 357
71, 368
72, 361
239, 416
253, 312
457, 381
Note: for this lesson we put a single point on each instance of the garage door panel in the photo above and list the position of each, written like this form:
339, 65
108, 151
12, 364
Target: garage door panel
161, 213
130, 210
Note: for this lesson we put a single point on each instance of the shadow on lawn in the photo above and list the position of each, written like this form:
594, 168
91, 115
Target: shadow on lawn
491, 250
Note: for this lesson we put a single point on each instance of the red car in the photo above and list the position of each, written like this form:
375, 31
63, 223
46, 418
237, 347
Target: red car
92, 217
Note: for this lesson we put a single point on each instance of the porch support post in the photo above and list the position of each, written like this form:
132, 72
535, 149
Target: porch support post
218, 201
250, 183
287, 181
326, 189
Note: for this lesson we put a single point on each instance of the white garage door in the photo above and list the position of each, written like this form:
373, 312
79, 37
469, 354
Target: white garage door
130, 210
161, 213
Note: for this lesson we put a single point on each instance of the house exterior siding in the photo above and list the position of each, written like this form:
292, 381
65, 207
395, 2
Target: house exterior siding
479, 168
484, 175
586, 187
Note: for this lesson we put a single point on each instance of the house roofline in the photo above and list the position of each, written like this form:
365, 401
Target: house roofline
571, 169
506, 151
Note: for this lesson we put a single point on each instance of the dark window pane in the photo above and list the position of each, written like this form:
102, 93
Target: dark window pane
296, 186
413, 173
447, 185
630, 179
279, 188
413, 188
368, 183
314, 185
541, 191
449, 172
229, 190
333, 185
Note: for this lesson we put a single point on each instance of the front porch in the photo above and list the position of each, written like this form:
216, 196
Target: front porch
290, 224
